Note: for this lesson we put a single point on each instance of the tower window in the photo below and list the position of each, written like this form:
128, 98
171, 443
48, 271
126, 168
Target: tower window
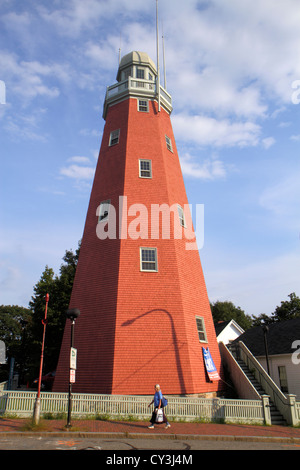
104, 210
148, 259
140, 73
114, 137
201, 330
181, 216
143, 105
145, 169
169, 144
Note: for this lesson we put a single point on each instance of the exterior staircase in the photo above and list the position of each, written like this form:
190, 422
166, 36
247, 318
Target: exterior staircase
276, 417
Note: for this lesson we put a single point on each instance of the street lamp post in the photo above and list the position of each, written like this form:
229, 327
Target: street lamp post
265, 330
36, 415
72, 314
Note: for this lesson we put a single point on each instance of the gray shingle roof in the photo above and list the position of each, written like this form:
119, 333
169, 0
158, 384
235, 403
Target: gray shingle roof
279, 338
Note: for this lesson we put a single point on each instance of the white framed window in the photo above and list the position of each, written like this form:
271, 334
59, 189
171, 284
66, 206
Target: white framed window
181, 215
201, 329
169, 144
114, 137
145, 168
283, 379
104, 211
143, 106
148, 259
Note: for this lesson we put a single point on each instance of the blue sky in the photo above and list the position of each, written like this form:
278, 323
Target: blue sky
231, 68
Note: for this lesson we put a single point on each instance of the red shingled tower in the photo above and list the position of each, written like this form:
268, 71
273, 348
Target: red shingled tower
139, 286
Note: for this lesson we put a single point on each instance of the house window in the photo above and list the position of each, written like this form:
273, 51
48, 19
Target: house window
169, 144
143, 105
283, 379
148, 258
127, 73
145, 169
114, 137
140, 73
201, 330
181, 215
104, 211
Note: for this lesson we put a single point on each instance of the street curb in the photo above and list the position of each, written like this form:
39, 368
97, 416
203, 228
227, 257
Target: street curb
118, 435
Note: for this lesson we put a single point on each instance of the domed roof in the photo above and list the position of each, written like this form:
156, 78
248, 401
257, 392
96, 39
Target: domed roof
137, 58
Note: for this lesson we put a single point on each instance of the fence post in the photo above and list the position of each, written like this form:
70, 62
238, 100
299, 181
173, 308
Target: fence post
293, 412
266, 408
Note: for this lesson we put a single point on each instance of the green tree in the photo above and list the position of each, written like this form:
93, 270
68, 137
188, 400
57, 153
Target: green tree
287, 310
226, 311
46, 285
59, 289
13, 326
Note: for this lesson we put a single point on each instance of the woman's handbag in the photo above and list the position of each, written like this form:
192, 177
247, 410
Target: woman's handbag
159, 416
164, 402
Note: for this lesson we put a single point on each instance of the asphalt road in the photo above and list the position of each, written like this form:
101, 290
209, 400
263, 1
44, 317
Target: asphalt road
47, 443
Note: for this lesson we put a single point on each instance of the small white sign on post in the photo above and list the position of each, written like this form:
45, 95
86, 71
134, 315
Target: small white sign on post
73, 358
72, 376
2, 353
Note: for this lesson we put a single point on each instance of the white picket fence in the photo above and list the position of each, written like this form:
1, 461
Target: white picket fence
21, 404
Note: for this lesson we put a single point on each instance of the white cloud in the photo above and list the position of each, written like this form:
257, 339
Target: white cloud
78, 172
75, 17
29, 79
210, 169
204, 130
25, 126
268, 142
79, 159
233, 57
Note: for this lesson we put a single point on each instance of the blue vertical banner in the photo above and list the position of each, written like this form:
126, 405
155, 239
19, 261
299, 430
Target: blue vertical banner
209, 365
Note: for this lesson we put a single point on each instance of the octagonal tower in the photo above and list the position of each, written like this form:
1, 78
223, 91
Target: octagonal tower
145, 314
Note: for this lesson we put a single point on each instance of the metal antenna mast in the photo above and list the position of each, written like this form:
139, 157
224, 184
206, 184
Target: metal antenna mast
163, 43
157, 54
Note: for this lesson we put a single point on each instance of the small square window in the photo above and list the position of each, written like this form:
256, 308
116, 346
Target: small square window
104, 211
143, 106
181, 216
145, 168
114, 137
169, 143
201, 330
148, 259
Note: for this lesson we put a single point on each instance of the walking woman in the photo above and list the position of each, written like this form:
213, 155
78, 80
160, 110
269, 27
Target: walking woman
157, 400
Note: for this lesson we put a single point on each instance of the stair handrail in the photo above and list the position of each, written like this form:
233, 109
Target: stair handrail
282, 403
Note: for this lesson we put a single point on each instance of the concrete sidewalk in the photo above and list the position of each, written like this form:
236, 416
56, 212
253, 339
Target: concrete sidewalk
130, 429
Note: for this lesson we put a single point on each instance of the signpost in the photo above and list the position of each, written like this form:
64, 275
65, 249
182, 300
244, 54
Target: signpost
72, 314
